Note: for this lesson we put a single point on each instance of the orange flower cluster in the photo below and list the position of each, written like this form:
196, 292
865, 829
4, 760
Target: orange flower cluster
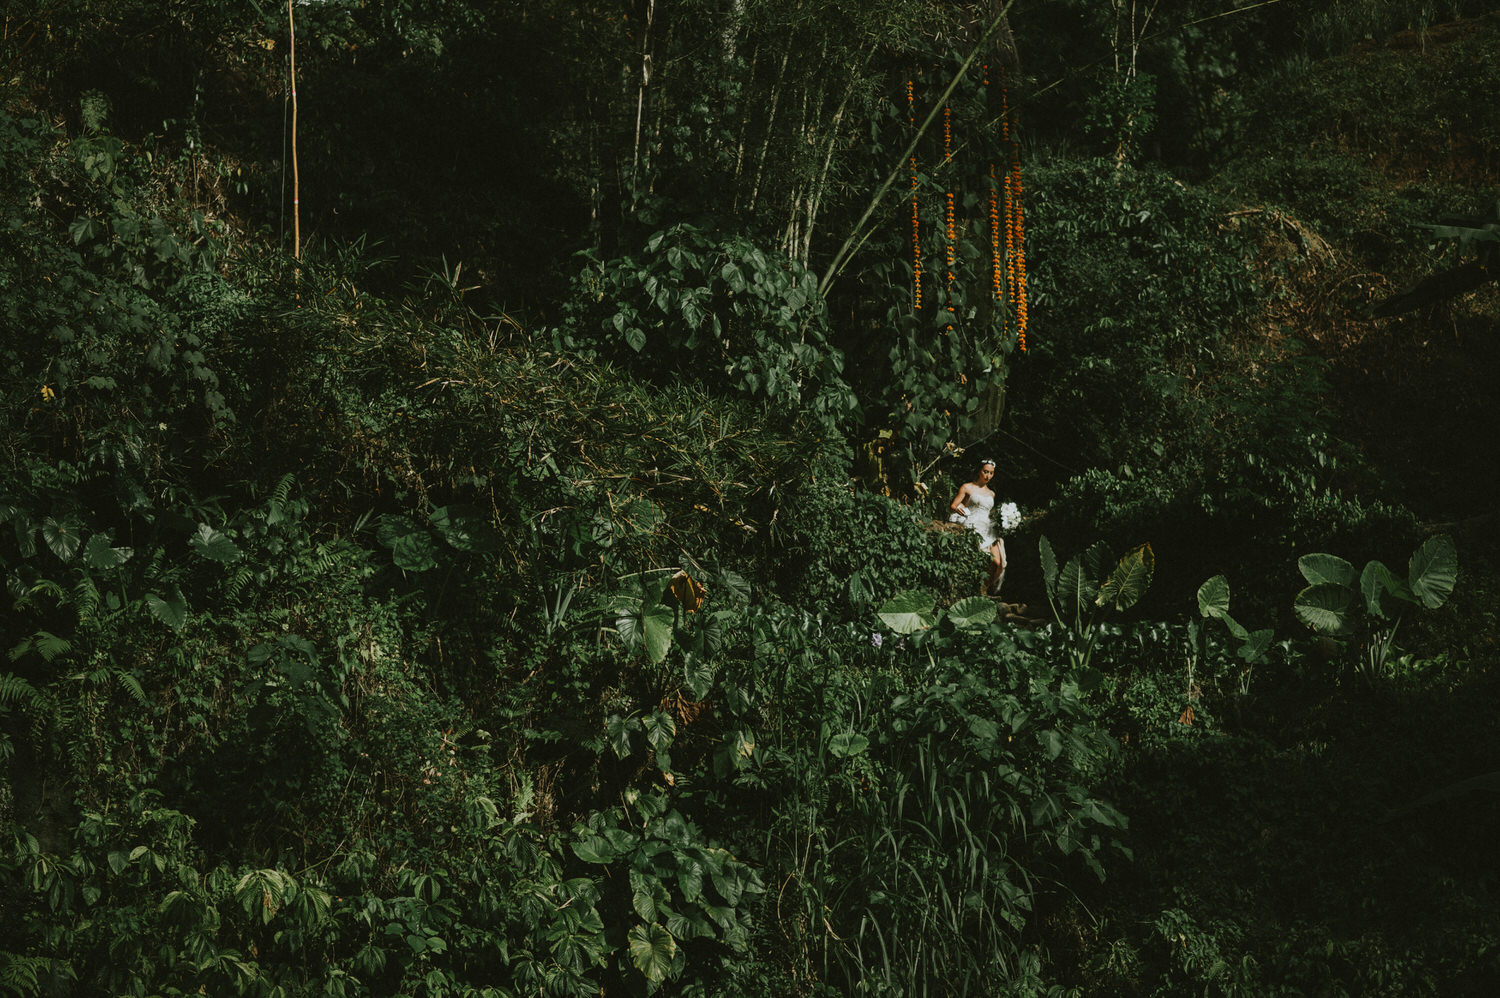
1016, 236
949, 228
996, 283
1015, 228
916, 232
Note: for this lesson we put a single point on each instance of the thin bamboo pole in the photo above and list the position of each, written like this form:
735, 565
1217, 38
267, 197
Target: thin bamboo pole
291, 28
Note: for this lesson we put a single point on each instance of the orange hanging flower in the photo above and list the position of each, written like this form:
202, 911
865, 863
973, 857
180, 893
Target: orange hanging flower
949, 227
916, 230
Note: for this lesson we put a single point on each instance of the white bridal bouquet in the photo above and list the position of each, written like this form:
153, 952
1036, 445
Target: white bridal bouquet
1010, 516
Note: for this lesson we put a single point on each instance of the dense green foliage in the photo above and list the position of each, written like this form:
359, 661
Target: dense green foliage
531, 585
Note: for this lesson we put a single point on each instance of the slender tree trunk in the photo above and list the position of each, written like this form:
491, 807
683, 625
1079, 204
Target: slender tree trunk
291, 29
765, 146
739, 155
821, 186
640, 99
731, 34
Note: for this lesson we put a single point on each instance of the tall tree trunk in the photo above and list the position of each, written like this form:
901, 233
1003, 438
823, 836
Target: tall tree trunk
640, 101
765, 146
291, 30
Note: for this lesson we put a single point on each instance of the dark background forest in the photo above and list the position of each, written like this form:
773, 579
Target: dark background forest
474, 479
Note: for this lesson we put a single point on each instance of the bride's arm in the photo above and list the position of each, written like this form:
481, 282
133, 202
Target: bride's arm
957, 505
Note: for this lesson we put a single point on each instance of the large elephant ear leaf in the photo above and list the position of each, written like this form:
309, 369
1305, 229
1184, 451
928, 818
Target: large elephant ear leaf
908, 612
63, 536
1376, 583
972, 611
1213, 597
1130, 579
652, 949
1433, 571
413, 548
1049, 563
1073, 589
1324, 607
1095, 562
1329, 568
170, 609
1255, 645
214, 545
465, 527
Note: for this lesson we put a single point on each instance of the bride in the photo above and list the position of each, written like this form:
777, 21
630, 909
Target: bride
972, 507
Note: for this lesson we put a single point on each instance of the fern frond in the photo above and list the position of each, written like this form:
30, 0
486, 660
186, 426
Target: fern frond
86, 598
133, 685
283, 490
45, 587
44, 643
21, 974
236, 583
14, 689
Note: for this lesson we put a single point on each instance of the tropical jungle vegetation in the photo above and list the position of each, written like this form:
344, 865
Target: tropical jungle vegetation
472, 483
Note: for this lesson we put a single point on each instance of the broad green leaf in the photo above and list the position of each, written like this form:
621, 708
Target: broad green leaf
1129, 580
170, 609
647, 894
690, 881
1235, 627
656, 628
847, 744
214, 545
1324, 607
1074, 588
651, 950
698, 674
412, 546
98, 554
415, 552
1433, 571
1257, 643
1094, 562
617, 729
1326, 568
593, 849
687, 927
64, 538
1049, 563
972, 611
622, 840
465, 527
660, 729
1376, 582
908, 612
1213, 597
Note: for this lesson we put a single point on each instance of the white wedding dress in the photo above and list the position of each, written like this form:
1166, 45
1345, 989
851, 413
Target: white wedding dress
979, 504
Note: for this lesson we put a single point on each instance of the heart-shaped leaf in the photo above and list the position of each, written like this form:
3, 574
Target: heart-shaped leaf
908, 612
64, 537
972, 611
1433, 571
214, 545
651, 950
